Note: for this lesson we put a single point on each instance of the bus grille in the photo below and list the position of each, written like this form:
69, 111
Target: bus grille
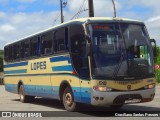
122, 98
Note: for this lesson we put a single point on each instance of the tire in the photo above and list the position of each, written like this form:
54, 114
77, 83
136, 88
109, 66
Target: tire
68, 100
24, 98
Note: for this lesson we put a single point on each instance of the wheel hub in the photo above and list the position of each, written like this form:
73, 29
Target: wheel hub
21, 95
68, 99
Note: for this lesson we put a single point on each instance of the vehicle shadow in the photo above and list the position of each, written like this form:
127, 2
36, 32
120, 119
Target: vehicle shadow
92, 111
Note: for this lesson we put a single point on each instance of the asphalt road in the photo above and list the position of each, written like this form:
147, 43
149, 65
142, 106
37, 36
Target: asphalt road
10, 102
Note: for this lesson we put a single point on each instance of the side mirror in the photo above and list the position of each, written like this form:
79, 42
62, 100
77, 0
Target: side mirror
154, 47
88, 49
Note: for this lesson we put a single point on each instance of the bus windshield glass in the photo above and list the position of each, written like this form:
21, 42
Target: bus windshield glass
120, 51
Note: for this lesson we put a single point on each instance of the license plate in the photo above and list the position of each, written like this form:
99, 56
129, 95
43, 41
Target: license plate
133, 101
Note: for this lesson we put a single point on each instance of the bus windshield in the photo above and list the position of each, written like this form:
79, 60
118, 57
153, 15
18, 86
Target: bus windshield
121, 51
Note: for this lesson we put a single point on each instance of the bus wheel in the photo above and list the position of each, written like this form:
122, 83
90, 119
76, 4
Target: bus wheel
68, 100
24, 98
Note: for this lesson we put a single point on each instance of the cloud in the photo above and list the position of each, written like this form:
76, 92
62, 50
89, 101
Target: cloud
7, 28
4, 2
2, 14
14, 26
154, 28
20, 25
154, 19
26, 1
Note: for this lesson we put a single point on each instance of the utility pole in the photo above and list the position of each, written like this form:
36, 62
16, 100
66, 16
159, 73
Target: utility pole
61, 11
91, 8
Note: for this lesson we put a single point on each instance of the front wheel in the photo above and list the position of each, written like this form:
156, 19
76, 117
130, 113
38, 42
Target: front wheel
68, 100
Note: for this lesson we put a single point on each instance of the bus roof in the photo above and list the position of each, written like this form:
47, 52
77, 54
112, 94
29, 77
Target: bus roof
81, 20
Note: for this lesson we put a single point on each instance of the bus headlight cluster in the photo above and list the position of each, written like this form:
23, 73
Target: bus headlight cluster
102, 89
150, 86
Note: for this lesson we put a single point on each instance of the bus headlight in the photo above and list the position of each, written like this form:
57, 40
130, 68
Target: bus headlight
150, 86
102, 89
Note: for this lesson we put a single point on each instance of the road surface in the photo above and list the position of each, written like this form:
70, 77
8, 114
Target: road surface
10, 102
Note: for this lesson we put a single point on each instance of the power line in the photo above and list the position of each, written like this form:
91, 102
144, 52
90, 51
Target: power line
80, 10
56, 18
78, 13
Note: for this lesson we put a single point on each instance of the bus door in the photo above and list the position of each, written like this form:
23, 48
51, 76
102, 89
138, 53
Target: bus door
80, 62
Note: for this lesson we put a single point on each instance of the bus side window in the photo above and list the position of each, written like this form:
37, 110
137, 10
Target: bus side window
59, 40
16, 51
6, 54
10, 58
34, 47
46, 43
26, 49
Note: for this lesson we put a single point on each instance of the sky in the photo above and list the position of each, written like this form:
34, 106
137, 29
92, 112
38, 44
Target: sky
20, 18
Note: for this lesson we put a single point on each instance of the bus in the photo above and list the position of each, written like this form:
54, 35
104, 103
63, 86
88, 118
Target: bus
96, 61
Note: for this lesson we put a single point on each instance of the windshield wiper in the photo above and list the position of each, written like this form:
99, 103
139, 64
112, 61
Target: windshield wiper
118, 66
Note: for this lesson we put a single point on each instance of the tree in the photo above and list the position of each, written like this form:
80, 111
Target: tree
157, 61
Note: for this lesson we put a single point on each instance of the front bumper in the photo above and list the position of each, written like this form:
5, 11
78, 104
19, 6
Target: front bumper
114, 98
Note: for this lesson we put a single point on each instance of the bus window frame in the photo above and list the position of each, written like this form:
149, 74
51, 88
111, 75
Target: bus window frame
10, 53
31, 49
23, 43
6, 53
52, 46
55, 42
15, 47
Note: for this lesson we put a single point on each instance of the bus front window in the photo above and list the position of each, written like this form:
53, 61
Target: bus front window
120, 51
107, 50
140, 58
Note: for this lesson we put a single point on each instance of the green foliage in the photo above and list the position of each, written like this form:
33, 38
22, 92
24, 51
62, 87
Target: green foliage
157, 61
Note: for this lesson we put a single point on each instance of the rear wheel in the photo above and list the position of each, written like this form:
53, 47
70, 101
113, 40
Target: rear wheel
24, 98
68, 100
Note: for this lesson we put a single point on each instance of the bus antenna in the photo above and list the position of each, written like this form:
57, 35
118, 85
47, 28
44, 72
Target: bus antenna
114, 6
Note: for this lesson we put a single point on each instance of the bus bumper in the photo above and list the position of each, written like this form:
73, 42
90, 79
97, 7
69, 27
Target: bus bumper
116, 98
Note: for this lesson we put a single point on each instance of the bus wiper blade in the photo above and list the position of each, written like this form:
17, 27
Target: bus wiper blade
118, 67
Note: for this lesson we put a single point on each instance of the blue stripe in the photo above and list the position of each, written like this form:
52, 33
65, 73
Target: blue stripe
15, 71
86, 95
62, 68
61, 58
16, 65
11, 88
80, 94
